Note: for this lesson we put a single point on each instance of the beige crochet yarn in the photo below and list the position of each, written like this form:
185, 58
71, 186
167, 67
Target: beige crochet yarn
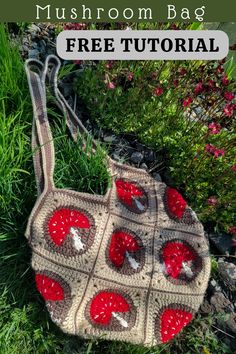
132, 265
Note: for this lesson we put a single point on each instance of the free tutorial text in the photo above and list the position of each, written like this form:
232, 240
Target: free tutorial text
142, 45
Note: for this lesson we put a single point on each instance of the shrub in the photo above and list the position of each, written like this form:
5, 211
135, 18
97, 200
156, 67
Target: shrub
185, 108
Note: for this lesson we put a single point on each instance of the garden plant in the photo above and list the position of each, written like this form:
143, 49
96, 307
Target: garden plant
186, 111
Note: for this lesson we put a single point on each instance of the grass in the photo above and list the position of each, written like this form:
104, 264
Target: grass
25, 324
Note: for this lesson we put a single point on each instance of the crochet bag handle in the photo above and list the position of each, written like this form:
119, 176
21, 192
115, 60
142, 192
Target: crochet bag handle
51, 69
42, 140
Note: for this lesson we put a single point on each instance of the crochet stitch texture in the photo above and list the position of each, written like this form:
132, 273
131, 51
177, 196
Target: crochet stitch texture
132, 265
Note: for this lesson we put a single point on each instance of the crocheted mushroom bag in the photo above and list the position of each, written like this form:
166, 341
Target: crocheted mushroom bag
131, 265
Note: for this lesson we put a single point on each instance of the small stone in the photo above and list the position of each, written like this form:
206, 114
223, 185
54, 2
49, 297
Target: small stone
140, 147
213, 283
45, 33
129, 149
206, 307
214, 286
34, 29
34, 37
51, 50
42, 45
34, 53
222, 241
111, 139
136, 157
67, 90
34, 45
227, 272
149, 156
24, 48
116, 156
25, 40
144, 166
220, 302
231, 322
51, 31
45, 39
157, 177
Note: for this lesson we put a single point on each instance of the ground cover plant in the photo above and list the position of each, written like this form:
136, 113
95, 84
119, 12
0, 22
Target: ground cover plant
186, 110
24, 321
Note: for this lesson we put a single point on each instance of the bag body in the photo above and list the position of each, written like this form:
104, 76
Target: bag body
131, 265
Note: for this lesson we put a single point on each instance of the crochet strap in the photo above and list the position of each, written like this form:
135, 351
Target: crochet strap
42, 141
42, 144
52, 66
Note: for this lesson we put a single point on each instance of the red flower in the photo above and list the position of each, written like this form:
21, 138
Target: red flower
229, 96
130, 76
78, 62
154, 76
214, 128
158, 91
175, 82
225, 80
74, 26
222, 61
173, 26
229, 109
199, 88
187, 101
232, 230
233, 168
219, 69
212, 201
111, 85
219, 153
211, 85
182, 71
210, 148
110, 64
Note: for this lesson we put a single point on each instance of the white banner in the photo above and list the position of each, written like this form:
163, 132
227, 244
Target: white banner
142, 45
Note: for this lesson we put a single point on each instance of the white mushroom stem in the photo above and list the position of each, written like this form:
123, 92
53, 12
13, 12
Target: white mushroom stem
139, 205
187, 269
123, 322
78, 244
132, 261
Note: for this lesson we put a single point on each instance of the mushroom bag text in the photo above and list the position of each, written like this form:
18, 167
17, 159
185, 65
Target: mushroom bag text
177, 45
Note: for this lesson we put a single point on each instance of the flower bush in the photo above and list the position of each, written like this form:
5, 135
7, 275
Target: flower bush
186, 110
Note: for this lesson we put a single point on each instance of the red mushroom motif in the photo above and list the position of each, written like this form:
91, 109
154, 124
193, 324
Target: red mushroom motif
67, 222
180, 260
123, 246
172, 321
131, 195
107, 306
56, 292
176, 204
49, 288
